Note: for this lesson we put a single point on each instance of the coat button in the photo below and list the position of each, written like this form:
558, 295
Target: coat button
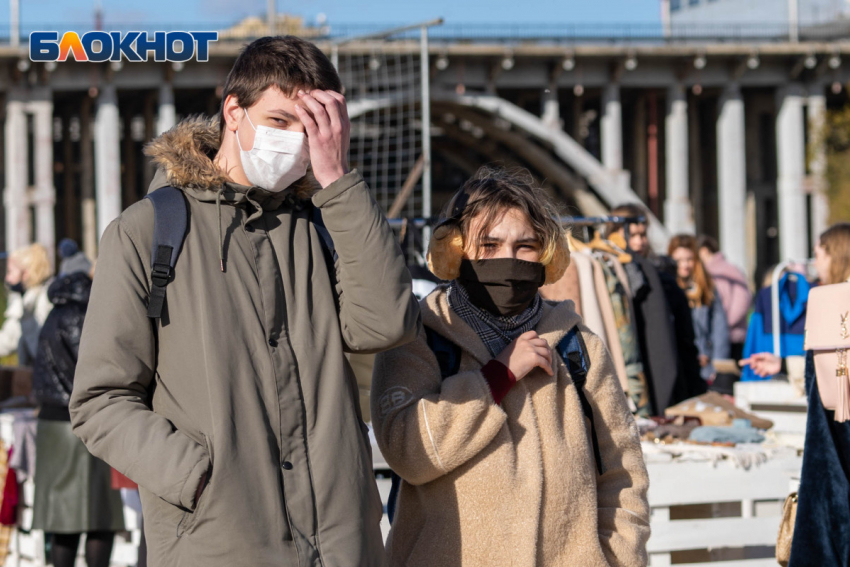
287, 466
272, 343
249, 228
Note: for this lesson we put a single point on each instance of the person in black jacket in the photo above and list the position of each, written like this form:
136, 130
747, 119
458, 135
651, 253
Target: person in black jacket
663, 316
73, 493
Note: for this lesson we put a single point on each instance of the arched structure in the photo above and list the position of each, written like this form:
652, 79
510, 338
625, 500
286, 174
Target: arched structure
557, 157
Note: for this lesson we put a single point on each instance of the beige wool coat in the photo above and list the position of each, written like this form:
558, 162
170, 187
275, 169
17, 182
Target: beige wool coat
516, 484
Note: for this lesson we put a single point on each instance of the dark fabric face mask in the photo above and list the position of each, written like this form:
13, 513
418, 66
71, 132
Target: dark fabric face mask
502, 286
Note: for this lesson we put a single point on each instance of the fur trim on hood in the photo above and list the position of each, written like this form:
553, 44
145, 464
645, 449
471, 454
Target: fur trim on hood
185, 153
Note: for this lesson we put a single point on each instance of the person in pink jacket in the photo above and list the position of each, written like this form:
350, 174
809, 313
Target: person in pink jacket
735, 295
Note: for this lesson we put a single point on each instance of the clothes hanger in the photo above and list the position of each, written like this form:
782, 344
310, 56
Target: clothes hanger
601, 245
576, 245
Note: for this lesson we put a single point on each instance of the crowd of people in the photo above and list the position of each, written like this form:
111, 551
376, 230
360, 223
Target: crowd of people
42, 325
209, 366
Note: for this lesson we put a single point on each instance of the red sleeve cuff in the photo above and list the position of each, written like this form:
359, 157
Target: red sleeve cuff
500, 379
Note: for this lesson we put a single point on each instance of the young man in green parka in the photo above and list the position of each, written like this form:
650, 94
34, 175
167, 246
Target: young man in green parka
237, 412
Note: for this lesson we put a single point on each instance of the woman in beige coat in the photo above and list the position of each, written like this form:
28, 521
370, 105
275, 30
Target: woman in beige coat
497, 461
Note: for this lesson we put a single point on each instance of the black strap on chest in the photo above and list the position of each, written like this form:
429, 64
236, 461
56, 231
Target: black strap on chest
170, 223
171, 219
574, 354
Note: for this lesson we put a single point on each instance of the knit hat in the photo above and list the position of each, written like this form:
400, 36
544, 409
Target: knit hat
76, 263
67, 248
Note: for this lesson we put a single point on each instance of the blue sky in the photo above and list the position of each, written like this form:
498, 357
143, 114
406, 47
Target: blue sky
51, 13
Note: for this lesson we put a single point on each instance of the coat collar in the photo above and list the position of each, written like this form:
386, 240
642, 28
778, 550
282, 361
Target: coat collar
557, 320
184, 158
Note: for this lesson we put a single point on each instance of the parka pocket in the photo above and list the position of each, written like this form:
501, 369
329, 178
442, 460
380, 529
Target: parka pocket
189, 519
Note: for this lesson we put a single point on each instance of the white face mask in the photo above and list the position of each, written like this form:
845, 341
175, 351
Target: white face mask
278, 158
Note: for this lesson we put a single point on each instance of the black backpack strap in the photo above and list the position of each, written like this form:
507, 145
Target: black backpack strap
447, 353
573, 352
448, 357
170, 221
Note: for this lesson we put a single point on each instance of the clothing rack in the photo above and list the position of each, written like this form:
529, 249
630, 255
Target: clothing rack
574, 221
774, 299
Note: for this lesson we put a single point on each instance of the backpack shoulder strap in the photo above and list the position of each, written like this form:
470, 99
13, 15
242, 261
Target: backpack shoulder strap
574, 354
447, 353
448, 357
170, 221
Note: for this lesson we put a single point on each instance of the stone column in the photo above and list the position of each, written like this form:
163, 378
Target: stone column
791, 169
816, 111
612, 128
15, 198
87, 179
678, 211
107, 158
167, 115
732, 175
551, 110
44, 196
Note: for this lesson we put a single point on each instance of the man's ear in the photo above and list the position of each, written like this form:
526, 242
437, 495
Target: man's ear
232, 112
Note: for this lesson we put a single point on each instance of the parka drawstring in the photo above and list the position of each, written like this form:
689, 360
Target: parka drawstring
220, 235
258, 212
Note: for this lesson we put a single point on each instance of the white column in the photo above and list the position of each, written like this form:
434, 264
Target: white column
551, 112
107, 158
678, 211
791, 168
732, 175
44, 197
612, 128
816, 111
15, 198
167, 116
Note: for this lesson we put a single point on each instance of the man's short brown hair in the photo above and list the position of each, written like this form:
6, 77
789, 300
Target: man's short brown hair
627, 210
286, 62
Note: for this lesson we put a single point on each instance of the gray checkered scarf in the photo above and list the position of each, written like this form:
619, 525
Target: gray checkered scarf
496, 332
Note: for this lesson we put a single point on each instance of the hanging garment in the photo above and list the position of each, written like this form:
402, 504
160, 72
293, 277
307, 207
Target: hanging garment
655, 332
9, 504
688, 383
566, 288
793, 300
609, 319
627, 336
591, 312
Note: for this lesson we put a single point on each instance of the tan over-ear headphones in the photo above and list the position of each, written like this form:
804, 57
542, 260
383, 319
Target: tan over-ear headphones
445, 250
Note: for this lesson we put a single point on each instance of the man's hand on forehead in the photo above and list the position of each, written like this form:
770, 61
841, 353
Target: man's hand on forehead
324, 115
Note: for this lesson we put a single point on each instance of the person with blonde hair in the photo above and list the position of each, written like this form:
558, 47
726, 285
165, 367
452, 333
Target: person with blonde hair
711, 329
505, 421
28, 274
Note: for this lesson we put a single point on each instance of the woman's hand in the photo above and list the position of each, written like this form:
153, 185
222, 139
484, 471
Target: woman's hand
763, 364
526, 353
325, 118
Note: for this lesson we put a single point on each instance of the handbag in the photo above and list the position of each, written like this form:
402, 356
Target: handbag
786, 530
828, 337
